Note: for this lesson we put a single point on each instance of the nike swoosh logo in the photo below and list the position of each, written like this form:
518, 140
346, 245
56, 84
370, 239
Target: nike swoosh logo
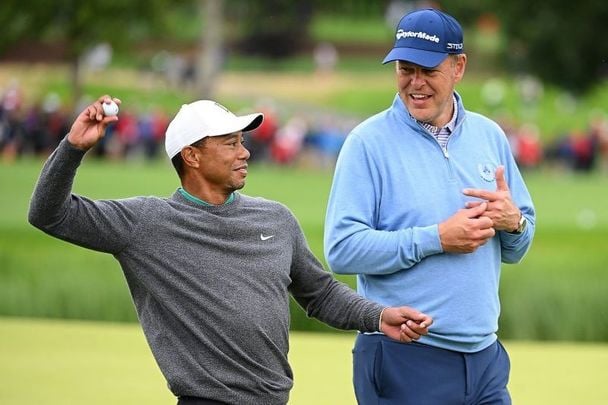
262, 237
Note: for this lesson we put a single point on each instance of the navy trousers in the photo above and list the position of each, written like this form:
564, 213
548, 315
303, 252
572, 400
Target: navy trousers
389, 372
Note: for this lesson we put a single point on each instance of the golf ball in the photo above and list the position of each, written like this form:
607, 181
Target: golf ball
110, 109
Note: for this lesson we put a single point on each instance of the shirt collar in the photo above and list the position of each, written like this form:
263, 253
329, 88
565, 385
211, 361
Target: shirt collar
197, 200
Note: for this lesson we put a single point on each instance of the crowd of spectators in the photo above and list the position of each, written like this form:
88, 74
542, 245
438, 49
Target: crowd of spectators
27, 130
36, 129
575, 150
287, 136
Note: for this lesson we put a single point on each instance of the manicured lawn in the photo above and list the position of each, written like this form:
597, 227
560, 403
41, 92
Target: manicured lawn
69, 362
561, 281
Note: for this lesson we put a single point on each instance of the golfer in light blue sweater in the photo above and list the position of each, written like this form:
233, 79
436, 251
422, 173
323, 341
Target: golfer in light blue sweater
426, 203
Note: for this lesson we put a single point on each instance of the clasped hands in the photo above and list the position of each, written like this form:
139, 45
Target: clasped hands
474, 225
404, 323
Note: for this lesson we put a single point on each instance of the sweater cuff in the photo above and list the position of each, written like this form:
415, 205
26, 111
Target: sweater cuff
380, 320
67, 146
426, 238
372, 318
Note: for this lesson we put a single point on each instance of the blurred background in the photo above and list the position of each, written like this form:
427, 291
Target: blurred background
314, 68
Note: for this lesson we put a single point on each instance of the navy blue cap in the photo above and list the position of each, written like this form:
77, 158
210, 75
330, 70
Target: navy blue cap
426, 37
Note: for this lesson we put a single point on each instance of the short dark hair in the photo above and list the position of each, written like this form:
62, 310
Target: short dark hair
178, 161
178, 164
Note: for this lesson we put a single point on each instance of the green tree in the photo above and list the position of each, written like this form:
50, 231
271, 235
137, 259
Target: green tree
560, 41
273, 28
80, 25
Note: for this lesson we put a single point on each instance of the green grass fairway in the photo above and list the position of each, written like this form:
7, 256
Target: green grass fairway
562, 280
69, 362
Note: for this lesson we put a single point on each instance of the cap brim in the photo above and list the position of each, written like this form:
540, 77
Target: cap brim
255, 120
427, 59
242, 123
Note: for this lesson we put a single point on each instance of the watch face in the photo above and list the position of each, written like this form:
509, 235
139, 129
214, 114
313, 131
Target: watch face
522, 224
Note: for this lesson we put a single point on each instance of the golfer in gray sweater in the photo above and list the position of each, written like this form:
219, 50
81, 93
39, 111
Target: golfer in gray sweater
210, 269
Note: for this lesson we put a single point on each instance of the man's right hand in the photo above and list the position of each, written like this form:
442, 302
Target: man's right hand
90, 125
466, 230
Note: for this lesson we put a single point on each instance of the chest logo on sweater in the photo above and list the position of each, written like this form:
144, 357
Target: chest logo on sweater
264, 237
487, 171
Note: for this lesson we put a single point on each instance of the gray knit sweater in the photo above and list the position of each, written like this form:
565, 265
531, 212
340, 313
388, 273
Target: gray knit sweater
210, 284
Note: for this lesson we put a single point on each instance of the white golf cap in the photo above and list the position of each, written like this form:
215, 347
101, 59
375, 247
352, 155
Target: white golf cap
204, 118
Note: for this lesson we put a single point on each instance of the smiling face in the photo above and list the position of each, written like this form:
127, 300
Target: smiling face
427, 92
224, 162
216, 166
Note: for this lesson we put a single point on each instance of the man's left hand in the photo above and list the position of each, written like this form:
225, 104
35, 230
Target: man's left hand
500, 209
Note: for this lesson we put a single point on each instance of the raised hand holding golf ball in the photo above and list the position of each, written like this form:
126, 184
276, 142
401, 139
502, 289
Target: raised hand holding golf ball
110, 108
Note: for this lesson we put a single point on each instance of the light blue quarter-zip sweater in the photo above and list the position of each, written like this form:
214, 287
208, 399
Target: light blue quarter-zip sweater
393, 185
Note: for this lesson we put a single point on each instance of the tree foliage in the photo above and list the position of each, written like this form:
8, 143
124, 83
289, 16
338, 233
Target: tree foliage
273, 28
560, 41
82, 23
79, 25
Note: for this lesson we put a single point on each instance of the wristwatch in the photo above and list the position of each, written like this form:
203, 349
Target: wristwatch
521, 225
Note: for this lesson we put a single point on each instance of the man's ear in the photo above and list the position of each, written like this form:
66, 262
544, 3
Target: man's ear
190, 156
460, 66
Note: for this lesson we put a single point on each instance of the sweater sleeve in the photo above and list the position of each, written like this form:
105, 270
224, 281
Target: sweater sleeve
515, 246
326, 298
353, 244
104, 225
